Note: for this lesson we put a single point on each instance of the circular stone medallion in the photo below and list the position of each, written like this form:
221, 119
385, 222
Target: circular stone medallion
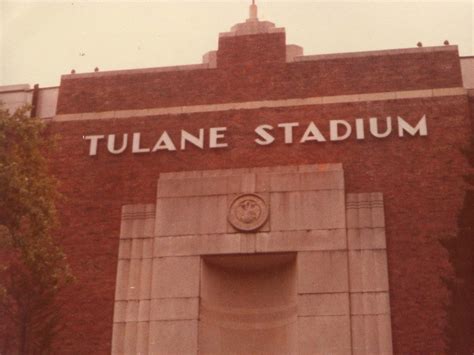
248, 212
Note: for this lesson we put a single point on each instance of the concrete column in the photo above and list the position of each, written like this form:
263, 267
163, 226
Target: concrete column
132, 295
368, 275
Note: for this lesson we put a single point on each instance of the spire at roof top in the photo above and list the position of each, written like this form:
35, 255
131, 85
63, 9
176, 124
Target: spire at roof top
253, 11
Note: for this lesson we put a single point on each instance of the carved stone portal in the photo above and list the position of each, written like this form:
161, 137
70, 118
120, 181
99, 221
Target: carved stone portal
275, 260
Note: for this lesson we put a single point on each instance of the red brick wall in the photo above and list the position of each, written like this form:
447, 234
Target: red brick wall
251, 49
471, 103
253, 68
420, 177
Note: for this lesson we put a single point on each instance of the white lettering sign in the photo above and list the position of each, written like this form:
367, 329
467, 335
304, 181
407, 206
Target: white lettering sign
266, 134
94, 143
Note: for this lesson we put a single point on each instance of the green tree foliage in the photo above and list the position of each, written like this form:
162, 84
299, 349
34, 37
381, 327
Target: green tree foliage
32, 267
461, 256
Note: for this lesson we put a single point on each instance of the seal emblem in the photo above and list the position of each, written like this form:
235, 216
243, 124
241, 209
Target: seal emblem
248, 212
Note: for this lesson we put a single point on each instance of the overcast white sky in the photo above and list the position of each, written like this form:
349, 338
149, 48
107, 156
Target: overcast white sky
40, 40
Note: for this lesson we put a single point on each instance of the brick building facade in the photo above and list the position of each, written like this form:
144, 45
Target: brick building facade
390, 128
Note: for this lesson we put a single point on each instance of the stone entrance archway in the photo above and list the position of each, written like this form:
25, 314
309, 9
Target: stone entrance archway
276, 260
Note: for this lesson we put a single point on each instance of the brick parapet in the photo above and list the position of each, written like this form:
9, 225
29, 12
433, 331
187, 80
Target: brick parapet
251, 50
242, 76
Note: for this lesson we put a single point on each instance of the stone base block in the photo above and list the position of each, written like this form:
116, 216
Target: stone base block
324, 335
174, 337
322, 272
